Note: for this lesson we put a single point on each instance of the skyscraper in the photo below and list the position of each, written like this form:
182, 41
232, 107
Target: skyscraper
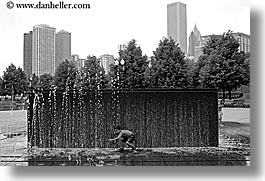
79, 63
43, 50
244, 42
27, 54
62, 47
105, 61
177, 24
195, 43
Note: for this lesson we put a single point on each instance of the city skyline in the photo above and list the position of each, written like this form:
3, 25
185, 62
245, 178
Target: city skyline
44, 49
106, 25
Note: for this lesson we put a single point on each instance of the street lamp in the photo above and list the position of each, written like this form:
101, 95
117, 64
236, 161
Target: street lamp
30, 82
119, 63
150, 67
149, 62
122, 62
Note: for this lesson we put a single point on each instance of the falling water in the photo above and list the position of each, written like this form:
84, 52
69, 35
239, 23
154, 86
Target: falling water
66, 117
55, 118
41, 124
98, 116
51, 118
81, 118
115, 101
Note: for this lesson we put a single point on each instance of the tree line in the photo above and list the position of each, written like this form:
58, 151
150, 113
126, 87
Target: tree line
220, 66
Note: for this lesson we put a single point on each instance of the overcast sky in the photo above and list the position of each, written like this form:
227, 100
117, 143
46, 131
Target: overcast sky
108, 23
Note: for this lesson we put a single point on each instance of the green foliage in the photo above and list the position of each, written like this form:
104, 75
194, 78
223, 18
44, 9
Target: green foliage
92, 75
221, 65
1, 82
14, 80
132, 73
1, 86
196, 80
169, 66
245, 57
65, 75
191, 67
34, 81
45, 81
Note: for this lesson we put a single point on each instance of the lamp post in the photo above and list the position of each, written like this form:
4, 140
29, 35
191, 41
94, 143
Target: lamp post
150, 67
119, 63
122, 62
30, 83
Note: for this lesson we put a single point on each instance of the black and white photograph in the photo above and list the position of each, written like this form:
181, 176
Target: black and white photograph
125, 83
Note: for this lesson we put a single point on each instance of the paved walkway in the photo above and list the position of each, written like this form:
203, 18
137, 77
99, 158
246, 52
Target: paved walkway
239, 115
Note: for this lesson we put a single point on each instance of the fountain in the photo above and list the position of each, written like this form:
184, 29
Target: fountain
161, 118
84, 118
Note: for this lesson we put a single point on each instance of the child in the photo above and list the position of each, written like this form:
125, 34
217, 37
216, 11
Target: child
125, 137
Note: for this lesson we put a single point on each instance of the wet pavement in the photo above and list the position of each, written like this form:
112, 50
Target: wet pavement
144, 157
146, 161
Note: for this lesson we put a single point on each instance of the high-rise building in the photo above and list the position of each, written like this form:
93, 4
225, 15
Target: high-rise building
79, 63
62, 47
105, 61
43, 50
244, 42
27, 54
195, 43
177, 24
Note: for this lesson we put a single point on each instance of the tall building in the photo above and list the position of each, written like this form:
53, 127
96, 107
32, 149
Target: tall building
27, 54
194, 43
79, 63
43, 50
105, 61
244, 42
177, 24
62, 47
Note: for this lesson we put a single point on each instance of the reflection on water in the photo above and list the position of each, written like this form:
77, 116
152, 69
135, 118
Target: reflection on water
138, 159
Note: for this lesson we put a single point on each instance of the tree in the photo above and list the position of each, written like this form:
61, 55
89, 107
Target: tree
170, 67
14, 81
1, 86
191, 73
196, 79
132, 73
223, 64
45, 82
93, 75
34, 81
65, 75
245, 57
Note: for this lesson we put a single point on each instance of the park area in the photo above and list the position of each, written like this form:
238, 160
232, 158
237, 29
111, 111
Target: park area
233, 149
